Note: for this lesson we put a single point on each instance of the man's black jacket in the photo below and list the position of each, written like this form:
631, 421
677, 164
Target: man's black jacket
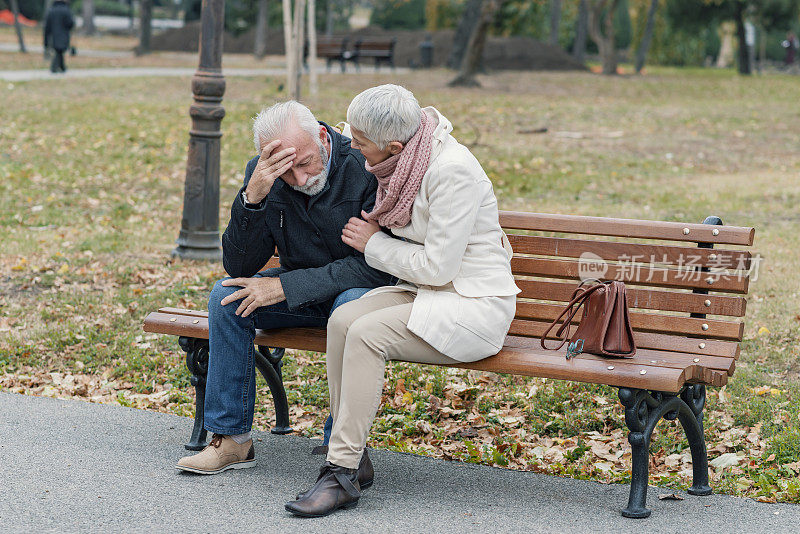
316, 265
57, 25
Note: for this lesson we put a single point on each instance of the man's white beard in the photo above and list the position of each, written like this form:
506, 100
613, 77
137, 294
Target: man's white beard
316, 183
313, 185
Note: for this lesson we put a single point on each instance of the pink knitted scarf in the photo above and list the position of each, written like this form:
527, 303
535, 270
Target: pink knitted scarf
400, 176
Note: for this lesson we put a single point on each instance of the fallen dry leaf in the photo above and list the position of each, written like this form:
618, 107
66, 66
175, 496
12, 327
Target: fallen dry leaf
670, 497
794, 466
725, 460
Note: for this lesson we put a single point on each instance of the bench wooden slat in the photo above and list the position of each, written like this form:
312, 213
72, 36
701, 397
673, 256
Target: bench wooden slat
631, 252
373, 47
555, 365
312, 339
159, 322
642, 298
648, 357
673, 231
184, 325
183, 311
647, 322
645, 340
655, 276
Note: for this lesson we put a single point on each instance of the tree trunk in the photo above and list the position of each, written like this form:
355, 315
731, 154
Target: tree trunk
262, 29
469, 19
726, 53
17, 27
555, 21
311, 26
579, 48
610, 59
145, 27
293, 23
604, 39
329, 18
299, 42
744, 56
288, 43
644, 46
474, 52
87, 12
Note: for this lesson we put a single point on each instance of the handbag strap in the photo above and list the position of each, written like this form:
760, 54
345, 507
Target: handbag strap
579, 296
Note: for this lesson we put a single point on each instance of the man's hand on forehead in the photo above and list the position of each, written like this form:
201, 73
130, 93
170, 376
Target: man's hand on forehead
272, 163
267, 154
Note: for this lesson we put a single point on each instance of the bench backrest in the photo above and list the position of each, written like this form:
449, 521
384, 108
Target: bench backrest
675, 279
686, 299
375, 46
331, 46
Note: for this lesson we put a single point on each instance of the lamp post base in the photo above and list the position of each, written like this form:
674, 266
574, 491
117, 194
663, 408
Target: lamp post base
190, 253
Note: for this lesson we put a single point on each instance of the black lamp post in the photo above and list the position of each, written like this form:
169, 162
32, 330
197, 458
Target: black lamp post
199, 235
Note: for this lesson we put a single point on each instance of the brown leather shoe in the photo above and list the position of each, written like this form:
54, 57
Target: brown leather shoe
337, 487
366, 474
220, 455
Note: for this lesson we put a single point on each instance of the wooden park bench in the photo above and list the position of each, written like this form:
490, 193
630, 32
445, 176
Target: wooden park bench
382, 50
333, 49
686, 299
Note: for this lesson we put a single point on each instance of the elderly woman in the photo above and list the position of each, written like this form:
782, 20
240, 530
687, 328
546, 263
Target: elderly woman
456, 296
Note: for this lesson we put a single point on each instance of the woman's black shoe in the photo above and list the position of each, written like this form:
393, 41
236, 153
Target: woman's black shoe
366, 474
337, 487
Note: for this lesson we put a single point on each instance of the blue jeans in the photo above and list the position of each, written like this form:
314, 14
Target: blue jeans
231, 379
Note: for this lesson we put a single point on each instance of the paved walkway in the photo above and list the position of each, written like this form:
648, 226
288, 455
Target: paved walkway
119, 72
88, 52
72, 466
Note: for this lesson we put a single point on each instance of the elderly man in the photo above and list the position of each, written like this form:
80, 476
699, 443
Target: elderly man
298, 194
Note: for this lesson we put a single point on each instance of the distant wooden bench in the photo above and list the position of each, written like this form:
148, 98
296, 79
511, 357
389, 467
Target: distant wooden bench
333, 49
675, 280
381, 50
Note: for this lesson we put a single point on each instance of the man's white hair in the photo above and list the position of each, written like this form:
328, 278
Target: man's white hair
278, 118
385, 113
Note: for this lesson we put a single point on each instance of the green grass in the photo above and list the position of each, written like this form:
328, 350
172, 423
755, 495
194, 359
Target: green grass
91, 191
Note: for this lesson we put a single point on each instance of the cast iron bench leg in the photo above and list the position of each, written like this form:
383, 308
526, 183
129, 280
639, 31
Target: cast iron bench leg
643, 410
268, 361
695, 398
197, 362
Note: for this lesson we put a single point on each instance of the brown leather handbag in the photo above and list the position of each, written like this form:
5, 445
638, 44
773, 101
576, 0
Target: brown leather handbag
605, 327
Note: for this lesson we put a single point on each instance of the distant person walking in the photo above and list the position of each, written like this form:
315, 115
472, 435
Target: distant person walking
791, 45
57, 26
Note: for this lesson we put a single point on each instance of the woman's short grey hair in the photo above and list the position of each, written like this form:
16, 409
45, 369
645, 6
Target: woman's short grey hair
276, 119
385, 113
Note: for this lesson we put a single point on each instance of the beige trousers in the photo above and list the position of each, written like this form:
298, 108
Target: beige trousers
362, 336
